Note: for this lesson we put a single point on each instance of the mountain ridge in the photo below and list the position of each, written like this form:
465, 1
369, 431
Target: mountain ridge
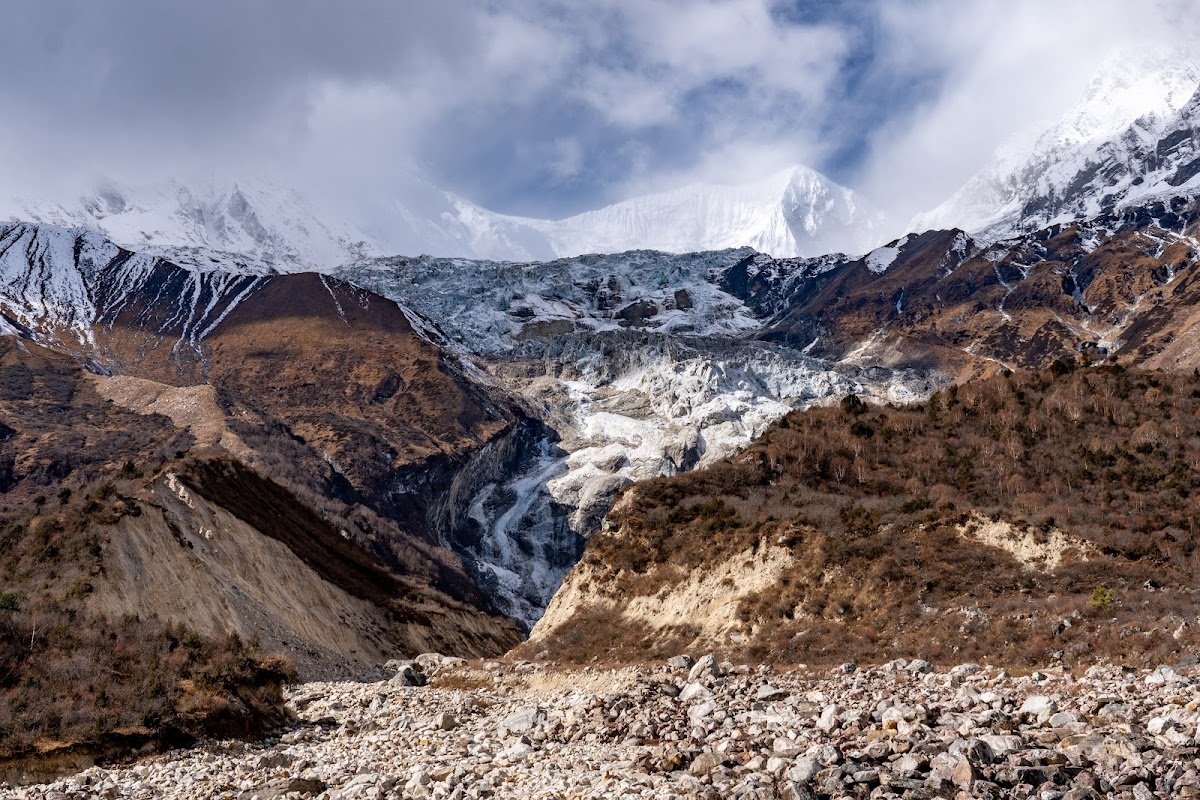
254, 224
1130, 138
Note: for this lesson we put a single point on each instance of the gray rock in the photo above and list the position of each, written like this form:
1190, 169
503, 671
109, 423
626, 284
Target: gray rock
975, 750
1039, 707
1063, 718
787, 748
706, 667
518, 750
522, 720
701, 710
798, 791
1163, 674
776, 765
430, 663
704, 764
909, 765
804, 770
1001, 746
767, 693
827, 754
273, 760
681, 663
828, 721
408, 675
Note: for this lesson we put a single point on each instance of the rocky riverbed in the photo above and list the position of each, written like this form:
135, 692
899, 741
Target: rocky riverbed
699, 729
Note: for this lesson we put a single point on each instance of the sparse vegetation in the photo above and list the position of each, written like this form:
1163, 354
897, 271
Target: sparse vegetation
78, 683
873, 503
67, 676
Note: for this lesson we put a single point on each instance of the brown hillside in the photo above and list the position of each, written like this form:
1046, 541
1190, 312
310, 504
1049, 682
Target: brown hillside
1022, 519
142, 576
1121, 286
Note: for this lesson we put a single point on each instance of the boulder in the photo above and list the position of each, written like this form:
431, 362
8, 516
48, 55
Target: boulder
521, 721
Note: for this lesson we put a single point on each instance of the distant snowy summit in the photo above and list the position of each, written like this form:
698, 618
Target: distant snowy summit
206, 222
257, 224
1133, 135
794, 213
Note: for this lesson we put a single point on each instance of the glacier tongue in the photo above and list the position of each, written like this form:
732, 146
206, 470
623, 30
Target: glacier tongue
644, 363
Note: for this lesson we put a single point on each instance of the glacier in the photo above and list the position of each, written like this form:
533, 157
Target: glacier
644, 364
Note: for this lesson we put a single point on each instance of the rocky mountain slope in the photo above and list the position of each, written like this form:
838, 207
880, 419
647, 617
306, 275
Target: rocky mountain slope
1131, 138
1028, 518
288, 491
1121, 286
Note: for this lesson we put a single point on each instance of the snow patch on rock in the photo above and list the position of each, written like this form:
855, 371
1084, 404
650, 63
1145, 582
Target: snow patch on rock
880, 259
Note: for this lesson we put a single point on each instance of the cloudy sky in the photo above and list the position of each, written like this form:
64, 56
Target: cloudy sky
547, 107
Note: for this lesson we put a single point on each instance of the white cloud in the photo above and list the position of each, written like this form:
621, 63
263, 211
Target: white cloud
567, 102
565, 159
1004, 66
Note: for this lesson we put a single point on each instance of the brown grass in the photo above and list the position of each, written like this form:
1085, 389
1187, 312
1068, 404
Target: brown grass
869, 501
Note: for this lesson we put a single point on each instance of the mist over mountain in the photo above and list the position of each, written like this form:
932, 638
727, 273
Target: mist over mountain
797, 212
1130, 137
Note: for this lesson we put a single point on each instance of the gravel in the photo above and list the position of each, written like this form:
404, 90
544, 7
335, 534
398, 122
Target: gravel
701, 729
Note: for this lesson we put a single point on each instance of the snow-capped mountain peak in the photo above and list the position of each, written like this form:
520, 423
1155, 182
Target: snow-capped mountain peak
1131, 83
1130, 136
249, 223
209, 220
794, 212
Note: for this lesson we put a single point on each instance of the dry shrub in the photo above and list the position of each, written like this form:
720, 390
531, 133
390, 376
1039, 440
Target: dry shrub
870, 499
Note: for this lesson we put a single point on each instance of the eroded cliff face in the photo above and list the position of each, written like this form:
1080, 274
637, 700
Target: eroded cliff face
191, 561
318, 397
